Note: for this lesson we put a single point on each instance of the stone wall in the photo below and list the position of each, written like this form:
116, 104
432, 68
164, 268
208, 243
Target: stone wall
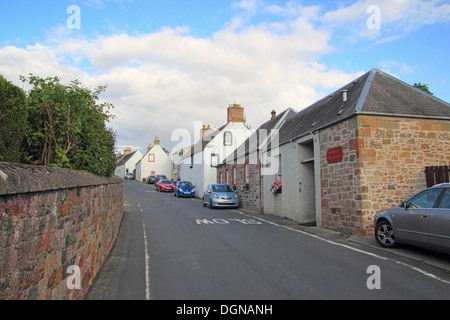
249, 199
50, 220
393, 155
340, 189
384, 160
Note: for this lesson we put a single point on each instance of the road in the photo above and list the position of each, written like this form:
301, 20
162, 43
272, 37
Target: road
176, 249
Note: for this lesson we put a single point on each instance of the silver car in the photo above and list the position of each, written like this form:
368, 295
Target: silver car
423, 220
220, 195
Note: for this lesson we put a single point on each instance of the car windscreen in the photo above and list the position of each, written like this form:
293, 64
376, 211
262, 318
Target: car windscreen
222, 188
185, 185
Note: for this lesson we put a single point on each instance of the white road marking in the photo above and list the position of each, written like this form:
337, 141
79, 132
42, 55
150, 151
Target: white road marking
428, 274
147, 259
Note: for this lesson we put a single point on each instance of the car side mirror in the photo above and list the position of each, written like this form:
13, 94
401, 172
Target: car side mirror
403, 204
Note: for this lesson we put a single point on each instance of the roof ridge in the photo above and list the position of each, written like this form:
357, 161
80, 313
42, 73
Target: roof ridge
365, 90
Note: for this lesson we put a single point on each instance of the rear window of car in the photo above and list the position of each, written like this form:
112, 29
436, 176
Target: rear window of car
445, 202
166, 181
425, 199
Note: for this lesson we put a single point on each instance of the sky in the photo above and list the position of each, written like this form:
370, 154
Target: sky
170, 65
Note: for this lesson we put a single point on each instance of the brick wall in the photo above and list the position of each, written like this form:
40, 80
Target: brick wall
51, 219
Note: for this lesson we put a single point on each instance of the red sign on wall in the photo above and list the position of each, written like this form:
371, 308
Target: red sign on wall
335, 154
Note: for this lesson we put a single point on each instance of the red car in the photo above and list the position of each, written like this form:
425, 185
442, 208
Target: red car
165, 185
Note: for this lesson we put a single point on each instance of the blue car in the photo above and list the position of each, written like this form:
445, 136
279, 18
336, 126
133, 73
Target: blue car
184, 189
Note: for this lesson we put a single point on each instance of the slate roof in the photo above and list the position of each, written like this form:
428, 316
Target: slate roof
374, 93
201, 144
122, 160
267, 126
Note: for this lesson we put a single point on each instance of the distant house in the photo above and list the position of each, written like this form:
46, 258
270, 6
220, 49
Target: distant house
199, 162
155, 161
358, 150
242, 168
127, 162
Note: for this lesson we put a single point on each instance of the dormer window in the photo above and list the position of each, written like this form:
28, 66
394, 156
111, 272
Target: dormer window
228, 139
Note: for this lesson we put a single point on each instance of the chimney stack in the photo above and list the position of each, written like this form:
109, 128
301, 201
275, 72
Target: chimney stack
274, 114
127, 150
149, 147
206, 130
156, 142
235, 113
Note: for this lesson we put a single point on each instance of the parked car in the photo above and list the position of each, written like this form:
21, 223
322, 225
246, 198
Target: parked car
220, 195
151, 179
129, 175
165, 185
423, 220
184, 189
159, 177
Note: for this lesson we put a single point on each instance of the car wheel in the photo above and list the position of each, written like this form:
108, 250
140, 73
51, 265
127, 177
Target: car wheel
384, 234
204, 203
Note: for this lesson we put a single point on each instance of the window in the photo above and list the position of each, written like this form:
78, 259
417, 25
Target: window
228, 139
279, 168
247, 173
214, 160
151, 157
445, 202
424, 199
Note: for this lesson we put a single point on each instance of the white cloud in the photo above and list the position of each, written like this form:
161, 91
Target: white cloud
396, 68
398, 18
168, 79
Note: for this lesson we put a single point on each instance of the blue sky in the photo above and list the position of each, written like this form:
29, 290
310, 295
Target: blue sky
170, 63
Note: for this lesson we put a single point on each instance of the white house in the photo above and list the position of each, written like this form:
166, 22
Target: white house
127, 162
199, 163
155, 161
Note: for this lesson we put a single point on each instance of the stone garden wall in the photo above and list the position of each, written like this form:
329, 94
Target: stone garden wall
57, 226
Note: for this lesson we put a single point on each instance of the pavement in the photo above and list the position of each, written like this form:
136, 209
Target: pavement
419, 255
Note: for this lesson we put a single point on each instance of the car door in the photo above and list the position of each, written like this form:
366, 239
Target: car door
412, 224
440, 223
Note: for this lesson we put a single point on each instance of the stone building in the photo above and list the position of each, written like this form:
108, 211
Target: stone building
361, 149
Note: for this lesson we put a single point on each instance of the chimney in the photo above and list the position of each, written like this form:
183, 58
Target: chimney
206, 130
156, 142
127, 150
149, 147
274, 114
235, 113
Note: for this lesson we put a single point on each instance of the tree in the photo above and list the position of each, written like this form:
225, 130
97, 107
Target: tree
423, 87
13, 115
66, 126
